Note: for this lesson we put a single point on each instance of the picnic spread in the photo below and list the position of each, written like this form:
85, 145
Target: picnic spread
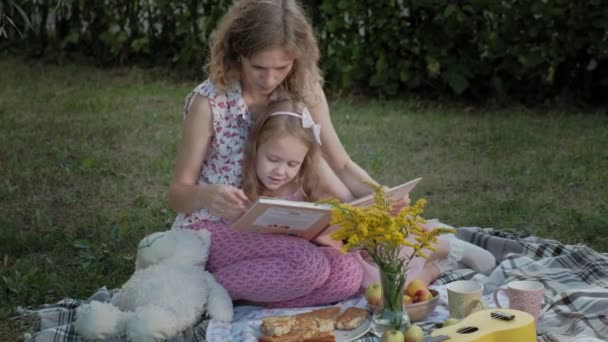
575, 305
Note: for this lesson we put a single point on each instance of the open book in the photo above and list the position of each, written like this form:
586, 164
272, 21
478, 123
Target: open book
304, 219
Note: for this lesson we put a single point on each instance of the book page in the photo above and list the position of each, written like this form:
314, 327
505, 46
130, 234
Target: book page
277, 217
394, 193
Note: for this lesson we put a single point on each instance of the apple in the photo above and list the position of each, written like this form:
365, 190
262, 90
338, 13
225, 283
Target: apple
413, 334
373, 294
407, 299
414, 286
392, 336
450, 321
422, 295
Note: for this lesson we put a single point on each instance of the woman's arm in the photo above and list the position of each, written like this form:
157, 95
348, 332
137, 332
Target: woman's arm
329, 186
349, 173
184, 194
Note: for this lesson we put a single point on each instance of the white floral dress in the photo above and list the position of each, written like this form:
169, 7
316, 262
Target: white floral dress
224, 160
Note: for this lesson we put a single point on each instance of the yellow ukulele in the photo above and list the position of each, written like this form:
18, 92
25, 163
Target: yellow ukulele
489, 326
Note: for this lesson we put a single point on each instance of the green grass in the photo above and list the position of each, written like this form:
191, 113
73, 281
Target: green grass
87, 154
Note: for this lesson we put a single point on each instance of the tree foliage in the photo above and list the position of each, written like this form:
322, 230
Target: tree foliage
519, 49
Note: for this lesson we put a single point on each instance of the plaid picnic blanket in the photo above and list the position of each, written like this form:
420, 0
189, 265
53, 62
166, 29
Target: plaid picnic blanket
575, 279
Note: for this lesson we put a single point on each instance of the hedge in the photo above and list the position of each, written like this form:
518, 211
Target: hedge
530, 50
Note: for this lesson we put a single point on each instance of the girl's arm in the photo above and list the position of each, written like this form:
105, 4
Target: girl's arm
184, 194
348, 172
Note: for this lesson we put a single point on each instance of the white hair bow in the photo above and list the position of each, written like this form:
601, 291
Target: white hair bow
307, 122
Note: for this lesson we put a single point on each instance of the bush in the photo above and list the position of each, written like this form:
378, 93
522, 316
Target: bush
113, 32
527, 50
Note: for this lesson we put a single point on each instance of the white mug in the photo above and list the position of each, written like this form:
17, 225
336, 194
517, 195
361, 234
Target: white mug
464, 298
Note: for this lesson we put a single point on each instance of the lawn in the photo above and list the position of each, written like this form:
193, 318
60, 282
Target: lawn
87, 154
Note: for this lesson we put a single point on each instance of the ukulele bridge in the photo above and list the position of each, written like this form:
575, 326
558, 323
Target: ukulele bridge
502, 316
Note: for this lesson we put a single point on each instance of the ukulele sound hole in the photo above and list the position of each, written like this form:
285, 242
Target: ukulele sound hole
467, 330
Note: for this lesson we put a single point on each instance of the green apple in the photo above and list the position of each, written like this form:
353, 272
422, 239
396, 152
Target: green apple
392, 336
373, 294
413, 334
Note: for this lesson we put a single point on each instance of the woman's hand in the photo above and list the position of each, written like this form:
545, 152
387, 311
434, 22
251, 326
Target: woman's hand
227, 201
400, 204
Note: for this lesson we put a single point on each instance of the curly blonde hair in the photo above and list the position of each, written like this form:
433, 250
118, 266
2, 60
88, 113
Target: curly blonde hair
272, 126
251, 26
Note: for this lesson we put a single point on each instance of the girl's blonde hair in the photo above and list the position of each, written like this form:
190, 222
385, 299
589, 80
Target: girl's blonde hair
251, 26
271, 126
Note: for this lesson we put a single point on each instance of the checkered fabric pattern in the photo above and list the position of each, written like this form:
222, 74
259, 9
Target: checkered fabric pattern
575, 278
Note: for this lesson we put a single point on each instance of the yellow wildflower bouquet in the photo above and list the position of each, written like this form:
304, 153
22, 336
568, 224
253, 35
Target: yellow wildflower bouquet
380, 232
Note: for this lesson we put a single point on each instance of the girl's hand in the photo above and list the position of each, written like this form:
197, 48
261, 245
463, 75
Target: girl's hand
227, 202
400, 204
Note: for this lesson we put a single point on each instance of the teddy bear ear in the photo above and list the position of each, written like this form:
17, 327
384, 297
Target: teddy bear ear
154, 248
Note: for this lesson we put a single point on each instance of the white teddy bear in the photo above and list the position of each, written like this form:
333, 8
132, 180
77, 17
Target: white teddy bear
167, 294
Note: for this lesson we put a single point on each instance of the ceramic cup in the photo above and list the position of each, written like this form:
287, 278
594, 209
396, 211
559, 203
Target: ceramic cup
524, 295
464, 298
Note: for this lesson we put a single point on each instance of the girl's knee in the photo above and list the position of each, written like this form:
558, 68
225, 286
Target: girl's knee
338, 260
350, 278
354, 267
309, 259
348, 270
314, 268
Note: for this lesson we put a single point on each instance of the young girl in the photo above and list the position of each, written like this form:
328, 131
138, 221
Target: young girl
280, 159
282, 156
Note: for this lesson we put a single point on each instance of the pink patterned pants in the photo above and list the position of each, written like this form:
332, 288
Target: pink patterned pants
279, 270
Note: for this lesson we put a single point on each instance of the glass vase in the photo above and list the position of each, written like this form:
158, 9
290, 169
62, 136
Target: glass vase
390, 314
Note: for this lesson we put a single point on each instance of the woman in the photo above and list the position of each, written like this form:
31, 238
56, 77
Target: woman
262, 51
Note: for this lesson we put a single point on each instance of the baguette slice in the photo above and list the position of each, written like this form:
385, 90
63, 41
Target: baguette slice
327, 313
311, 326
322, 337
351, 318
301, 327
277, 325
